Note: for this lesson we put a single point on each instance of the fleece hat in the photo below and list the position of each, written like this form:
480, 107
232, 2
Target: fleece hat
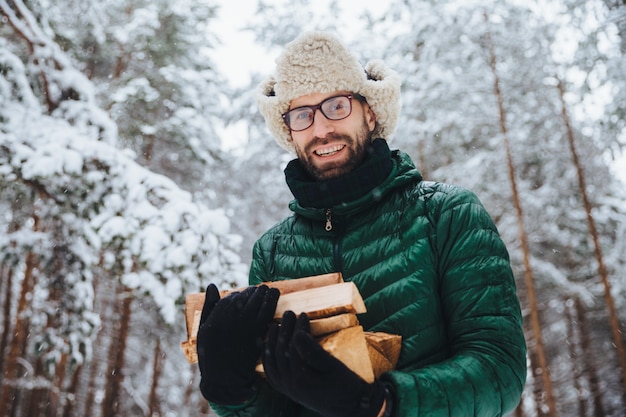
317, 62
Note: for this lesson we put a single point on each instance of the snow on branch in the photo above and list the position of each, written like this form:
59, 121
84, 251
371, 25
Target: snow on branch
61, 81
138, 225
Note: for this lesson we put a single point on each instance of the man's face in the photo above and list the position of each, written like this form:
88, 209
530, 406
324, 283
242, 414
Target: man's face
330, 148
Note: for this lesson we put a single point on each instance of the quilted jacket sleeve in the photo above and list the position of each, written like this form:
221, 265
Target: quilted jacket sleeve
267, 402
486, 370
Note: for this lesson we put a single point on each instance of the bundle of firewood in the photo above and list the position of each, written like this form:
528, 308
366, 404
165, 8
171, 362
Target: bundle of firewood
332, 306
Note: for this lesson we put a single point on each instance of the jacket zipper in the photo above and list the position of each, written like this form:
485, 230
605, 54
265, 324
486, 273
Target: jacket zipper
329, 224
337, 261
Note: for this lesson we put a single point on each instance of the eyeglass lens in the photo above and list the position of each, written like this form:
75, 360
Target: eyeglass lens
333, 108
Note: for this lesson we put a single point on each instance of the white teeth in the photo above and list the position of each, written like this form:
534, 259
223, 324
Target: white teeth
328, 151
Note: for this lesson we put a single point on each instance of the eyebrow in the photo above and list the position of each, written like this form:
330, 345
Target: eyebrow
333, 94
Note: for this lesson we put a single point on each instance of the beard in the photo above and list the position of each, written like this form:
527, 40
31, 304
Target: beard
356, 149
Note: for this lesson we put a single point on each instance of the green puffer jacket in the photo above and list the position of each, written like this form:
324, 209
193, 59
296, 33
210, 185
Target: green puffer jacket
431, 267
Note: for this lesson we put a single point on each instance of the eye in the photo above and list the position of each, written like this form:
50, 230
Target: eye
301, 114
299, 118
337, 104
337, 107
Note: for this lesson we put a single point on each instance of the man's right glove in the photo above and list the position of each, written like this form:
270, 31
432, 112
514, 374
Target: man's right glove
296, 365
230, 341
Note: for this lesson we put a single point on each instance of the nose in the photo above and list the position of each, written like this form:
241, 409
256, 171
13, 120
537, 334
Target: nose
321, 125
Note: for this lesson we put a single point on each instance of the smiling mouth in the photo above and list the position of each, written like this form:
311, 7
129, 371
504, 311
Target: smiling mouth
329, 151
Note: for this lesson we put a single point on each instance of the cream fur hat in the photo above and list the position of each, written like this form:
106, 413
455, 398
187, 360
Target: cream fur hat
317, 62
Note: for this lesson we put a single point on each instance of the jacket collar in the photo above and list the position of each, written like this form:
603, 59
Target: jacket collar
381, 172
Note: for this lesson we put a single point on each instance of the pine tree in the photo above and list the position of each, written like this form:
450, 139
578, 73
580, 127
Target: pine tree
100, 215
447, 112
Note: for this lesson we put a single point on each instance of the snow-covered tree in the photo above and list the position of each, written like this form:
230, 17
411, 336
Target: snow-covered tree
452, 124
84, 221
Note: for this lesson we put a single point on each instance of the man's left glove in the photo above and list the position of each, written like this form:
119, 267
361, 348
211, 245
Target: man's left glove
296, 365
230, 342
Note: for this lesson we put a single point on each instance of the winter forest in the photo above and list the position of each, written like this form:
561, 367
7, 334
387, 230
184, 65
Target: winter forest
123, 187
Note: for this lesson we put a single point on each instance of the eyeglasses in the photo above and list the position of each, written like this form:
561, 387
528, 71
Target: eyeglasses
333, 108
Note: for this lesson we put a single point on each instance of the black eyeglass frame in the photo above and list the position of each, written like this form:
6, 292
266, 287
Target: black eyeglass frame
318, 106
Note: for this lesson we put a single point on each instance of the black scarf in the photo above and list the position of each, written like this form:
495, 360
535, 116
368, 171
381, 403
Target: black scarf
355, 184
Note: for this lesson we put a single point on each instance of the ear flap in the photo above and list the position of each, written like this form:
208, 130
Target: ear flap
271, 108
382, 90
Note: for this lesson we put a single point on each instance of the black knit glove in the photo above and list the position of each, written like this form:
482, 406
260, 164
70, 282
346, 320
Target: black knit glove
296, 365
230, 342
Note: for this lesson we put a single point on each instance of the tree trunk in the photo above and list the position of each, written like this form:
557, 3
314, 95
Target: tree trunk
91, 389
154, 408
56, 287
111, 405
6, 314
588, 366
17, 343
528, 272
72, 391
602, 271
575, 346
97, 366
53, 405
37, 396
538, 389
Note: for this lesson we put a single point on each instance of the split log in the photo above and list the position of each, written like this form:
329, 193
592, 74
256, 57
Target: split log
349, 346
320, 302
194, 302
321, 327
367, 354
384, 351
332, 306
